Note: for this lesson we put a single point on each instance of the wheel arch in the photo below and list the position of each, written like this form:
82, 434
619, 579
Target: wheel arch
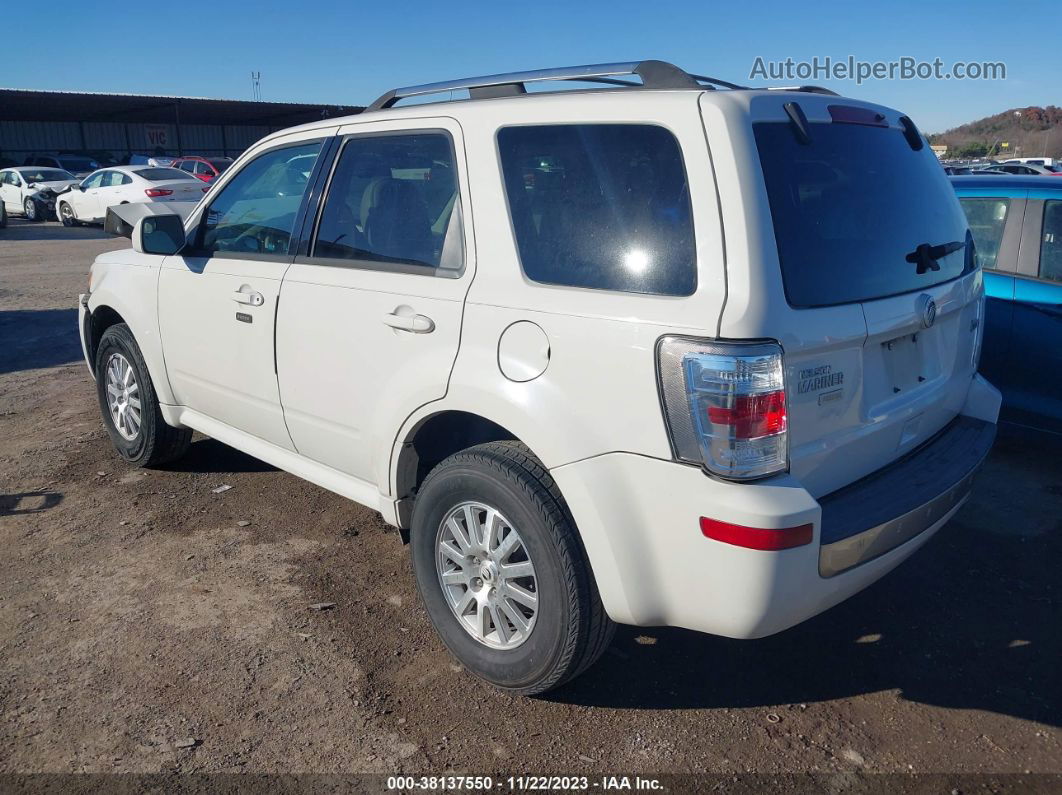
106, 309
430, 438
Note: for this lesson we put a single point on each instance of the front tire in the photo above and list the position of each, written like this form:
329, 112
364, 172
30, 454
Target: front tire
130, 406
66, 215
29, 207
502, 572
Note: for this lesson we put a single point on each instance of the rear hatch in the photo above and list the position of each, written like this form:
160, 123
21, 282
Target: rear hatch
880, 314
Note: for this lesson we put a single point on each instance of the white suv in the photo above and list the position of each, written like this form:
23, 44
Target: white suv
665, 352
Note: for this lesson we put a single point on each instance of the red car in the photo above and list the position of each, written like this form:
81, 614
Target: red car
205, 168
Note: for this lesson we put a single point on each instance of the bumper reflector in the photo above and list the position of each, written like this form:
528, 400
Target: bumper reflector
756, 537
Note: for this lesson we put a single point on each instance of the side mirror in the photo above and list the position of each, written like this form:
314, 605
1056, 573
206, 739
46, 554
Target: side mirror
159, 234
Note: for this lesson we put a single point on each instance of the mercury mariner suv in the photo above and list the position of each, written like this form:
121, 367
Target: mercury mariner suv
659, 350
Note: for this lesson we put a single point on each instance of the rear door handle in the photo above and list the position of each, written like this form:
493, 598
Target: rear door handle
247, 296
418, 324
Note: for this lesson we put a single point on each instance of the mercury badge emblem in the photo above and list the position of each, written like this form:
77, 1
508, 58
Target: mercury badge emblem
929, 310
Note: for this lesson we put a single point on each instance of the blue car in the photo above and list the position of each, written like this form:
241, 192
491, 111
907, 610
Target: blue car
1017, 229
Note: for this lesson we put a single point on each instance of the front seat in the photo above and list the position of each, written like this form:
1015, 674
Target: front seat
396, 222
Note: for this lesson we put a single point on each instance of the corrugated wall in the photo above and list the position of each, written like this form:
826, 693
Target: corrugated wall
19, 139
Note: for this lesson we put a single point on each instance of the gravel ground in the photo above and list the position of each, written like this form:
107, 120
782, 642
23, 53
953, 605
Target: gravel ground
150, 625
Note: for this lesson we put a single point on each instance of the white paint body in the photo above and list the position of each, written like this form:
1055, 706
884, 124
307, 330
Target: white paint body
348, 392
94, 194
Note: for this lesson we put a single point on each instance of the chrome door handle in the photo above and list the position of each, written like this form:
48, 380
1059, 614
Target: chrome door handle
248, 297
418, 324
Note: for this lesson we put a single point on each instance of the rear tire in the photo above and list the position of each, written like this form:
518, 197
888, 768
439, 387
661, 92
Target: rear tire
130, 406
566, 628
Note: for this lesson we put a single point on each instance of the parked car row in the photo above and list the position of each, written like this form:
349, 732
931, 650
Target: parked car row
44, 193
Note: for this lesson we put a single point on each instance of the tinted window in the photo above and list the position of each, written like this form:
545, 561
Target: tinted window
203, 168
220, 165
75, 163
255, 211
604, 206
186, 165
391, 200
986, 217
162, 174
1051, 242
851, 206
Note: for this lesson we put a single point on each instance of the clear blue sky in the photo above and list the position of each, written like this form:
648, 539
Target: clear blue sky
349, 52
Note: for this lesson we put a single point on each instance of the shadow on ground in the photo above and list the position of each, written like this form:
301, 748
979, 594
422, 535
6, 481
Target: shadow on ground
19, 229
972, 621
34, 338
28, 502
207, 456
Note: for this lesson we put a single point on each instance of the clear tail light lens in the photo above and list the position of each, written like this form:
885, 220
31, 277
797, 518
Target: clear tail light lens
725, 405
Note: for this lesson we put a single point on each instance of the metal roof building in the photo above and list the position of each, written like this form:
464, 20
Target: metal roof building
33, 122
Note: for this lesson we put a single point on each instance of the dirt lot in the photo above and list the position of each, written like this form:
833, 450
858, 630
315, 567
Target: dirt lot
140, 612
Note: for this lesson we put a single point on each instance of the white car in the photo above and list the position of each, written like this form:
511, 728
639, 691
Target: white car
108, 187
665, 354
30, 190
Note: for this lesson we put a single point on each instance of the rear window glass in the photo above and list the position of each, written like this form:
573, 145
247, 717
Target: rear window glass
604, 206
220, 165
852, 208
160, 174
987, 218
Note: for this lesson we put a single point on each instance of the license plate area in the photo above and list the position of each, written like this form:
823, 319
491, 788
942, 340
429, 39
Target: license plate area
904, 365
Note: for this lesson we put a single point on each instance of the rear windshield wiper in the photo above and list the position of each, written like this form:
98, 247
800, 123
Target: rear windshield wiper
925, 256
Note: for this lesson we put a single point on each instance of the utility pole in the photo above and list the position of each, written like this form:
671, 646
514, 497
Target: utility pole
256, 86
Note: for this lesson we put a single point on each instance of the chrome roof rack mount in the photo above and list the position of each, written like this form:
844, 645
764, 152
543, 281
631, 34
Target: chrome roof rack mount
653, 74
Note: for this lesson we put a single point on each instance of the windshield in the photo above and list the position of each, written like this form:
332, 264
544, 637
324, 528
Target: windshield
160, 174
46, 175
78, 164
858, 214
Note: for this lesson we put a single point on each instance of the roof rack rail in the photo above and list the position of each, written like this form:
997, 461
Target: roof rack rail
804, 89
654, 74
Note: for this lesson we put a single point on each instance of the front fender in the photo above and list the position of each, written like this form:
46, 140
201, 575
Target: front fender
126, 283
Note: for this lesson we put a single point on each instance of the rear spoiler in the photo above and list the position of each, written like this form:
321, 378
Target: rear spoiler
121, 218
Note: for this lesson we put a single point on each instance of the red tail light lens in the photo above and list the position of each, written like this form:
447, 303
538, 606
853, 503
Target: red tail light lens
154, 193
752, 416
757, 537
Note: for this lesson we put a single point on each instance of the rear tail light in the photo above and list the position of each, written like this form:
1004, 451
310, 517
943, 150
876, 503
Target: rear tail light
154, 193
725, 405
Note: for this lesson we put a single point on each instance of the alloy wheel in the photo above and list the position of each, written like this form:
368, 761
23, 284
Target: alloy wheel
123, 396
487, 576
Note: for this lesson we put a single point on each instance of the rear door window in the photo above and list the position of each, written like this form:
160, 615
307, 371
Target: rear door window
393, 201
1051, 242
853, 209
604, 206
987, 219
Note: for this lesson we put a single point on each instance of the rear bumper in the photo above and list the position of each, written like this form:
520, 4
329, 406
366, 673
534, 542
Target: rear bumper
639, 520
882, 511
